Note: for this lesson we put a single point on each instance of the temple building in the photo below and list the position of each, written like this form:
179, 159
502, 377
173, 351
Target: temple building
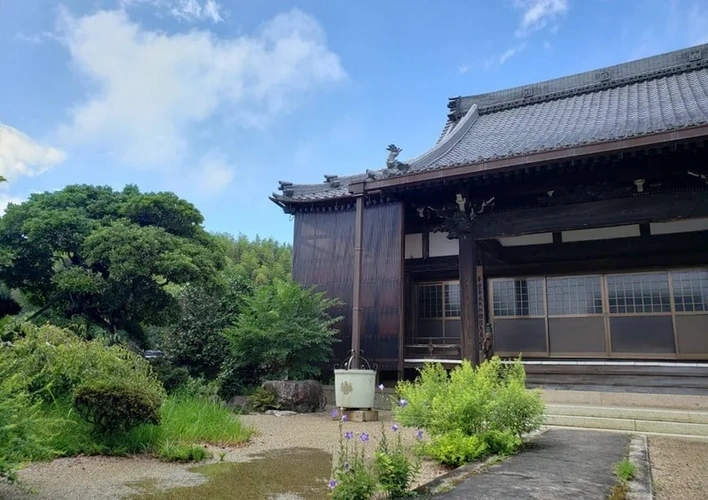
565, 220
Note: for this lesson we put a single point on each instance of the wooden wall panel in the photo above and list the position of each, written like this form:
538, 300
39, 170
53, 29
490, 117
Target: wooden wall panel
382, 286
323, 255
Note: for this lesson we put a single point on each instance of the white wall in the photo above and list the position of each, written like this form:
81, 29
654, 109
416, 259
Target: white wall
441, 246
414, 246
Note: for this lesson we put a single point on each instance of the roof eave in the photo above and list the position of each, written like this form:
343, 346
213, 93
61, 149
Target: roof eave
614, 146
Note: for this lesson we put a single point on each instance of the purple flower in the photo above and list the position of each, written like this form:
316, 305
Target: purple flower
332, 484
419, 435
334, 413
402, 402
394, 427
381, 387
348, 435
344, 418
364, 437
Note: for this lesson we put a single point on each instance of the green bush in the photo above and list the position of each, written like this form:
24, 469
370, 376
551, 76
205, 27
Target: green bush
283, 332
501, 442
114, 406
263, 399
23, 429
456, 448
57, 361
489, 402
171, 375
179, 452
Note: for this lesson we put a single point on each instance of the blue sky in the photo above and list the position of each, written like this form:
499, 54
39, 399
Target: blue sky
217, 100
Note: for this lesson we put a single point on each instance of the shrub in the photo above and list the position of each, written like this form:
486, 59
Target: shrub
57, 361
489, 402
283, 332
23, 429
456, 448
179, 452
197, 341
114, 406
263, 399
501, 442
171, 376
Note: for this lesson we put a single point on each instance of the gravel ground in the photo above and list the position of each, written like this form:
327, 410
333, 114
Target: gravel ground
679, 468
111, 477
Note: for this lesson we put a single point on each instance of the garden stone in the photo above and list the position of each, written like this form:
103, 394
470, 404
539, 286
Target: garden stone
302, 396
280, 413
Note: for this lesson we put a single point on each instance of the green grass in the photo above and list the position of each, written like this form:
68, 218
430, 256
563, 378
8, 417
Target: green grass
180, 452
186, 424
625, 470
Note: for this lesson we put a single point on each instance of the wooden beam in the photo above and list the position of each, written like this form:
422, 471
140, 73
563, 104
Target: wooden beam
638, 247
636, 210
622, 264
557, 155
356, 296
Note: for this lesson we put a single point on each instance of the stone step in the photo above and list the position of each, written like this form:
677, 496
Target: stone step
628, 425
626, 399
631, 413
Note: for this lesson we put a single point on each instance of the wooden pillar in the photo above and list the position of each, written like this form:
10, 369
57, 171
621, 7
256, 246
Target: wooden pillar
356, 296
469, 260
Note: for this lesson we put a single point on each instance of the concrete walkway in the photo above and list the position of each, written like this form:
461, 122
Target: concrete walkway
561, 464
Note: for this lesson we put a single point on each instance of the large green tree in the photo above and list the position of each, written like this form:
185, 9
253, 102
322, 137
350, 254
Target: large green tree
108, 256
261, 260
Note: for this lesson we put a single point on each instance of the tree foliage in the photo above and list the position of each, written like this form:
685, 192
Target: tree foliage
108, 256
197, 342
283, 332
260, 260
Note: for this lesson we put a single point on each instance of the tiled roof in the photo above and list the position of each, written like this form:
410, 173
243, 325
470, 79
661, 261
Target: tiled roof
652, 95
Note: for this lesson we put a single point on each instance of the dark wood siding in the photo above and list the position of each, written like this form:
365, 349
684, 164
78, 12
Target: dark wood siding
323, 255
382, 276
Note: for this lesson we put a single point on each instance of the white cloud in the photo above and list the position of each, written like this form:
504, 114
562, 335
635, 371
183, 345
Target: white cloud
36, 38
6, 199
213, 174
511, 52
184, 10
151, 90
463, 68
537, 13
21, 156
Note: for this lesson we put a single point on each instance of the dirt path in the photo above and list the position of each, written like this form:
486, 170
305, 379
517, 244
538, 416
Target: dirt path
679, 468
99, 478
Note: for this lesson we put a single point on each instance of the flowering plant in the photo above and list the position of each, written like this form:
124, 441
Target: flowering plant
353, 478
394, 469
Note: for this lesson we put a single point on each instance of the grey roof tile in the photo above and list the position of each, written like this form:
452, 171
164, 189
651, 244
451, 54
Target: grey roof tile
651, 95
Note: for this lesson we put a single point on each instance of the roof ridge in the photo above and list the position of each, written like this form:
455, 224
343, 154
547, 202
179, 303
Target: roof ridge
648, 68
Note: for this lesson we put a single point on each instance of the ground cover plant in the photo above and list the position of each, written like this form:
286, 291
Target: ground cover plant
61, 395
472, 412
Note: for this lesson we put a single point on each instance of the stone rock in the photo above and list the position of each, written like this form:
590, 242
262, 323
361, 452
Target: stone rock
280, 413
302, 396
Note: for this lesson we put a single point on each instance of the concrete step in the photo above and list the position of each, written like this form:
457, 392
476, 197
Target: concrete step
626, 399
628, 425
630, 413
